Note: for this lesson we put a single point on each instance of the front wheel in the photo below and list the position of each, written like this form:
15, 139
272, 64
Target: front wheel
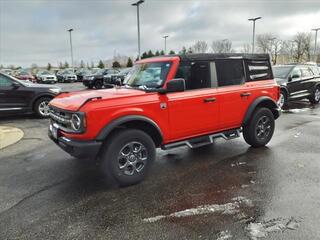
259, 131
41, 107
315, 98
127, 156
283, 100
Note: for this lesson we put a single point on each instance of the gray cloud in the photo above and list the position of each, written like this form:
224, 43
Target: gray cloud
34, 31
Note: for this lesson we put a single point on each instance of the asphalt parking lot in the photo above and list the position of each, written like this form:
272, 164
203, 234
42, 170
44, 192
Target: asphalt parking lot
225, 191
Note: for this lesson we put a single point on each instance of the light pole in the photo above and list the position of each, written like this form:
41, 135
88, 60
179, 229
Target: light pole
70, 30
138, 21
315, 42
165, 43
254, 29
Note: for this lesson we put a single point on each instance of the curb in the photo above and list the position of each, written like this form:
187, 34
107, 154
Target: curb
9, 136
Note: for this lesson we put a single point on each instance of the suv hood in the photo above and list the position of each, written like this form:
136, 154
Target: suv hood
74, 100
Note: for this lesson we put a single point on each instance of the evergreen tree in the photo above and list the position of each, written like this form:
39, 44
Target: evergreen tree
129, 63
150, 54
144, 55
162, 52
116, 64
100, 64
183, 50
66, 65
172, 52
49, 67
157, 53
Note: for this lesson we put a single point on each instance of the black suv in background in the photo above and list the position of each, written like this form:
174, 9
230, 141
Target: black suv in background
25, 97
297, 82
96, 80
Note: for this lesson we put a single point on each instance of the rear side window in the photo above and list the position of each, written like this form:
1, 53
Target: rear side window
229, 72
306, 72
258, 70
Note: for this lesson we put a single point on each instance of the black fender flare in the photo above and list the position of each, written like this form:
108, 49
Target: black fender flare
264, 101
126, 119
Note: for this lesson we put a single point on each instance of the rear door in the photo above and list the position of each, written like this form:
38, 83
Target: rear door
195, 111
234, 95
295, 83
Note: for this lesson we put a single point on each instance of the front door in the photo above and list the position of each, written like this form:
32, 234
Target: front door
12, 99
195, 111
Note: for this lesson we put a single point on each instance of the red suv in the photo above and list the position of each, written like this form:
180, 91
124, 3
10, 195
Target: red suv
168, 102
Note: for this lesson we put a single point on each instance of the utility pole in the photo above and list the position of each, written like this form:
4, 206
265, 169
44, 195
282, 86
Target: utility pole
165, 43
70, 30
315, 43
138, 22
254, 29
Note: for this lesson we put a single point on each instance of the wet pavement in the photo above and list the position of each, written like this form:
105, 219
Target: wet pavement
224, 191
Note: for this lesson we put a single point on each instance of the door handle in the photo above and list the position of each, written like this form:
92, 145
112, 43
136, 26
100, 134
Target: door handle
245, 94
208, 100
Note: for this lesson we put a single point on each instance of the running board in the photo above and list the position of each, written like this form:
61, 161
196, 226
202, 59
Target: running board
204, 140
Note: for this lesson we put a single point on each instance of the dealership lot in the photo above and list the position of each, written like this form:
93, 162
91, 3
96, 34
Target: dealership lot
225, 191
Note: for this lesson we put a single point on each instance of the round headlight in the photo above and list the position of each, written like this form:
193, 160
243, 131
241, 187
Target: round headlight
75, 122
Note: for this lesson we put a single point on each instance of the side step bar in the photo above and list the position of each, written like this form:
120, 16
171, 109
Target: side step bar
204, 140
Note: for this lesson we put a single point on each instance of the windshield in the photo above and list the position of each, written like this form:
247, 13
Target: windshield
45, 73
281, 71
148, 75
67, 72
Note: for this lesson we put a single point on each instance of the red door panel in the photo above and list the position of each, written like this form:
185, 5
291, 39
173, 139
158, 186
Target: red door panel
193, 113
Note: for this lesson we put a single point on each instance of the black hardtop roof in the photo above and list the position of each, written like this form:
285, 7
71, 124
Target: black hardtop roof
215, 56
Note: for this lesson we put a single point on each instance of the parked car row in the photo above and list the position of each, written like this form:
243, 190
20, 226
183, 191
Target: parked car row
105, 78
94, 77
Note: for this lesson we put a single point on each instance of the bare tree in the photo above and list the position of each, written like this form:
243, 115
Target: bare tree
221, 46
302, 47
200, 47
275, 50
264, 42
246, 48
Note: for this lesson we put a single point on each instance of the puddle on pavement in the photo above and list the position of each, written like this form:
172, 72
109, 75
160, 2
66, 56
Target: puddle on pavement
258, 230
231, 208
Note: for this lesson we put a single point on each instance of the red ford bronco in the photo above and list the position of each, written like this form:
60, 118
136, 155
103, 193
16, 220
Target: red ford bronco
168, 102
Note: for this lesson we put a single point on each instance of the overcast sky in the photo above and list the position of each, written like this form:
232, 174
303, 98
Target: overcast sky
35, 31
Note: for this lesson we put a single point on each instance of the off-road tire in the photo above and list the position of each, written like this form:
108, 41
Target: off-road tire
315, 98
111, 154
254, 127
37, 107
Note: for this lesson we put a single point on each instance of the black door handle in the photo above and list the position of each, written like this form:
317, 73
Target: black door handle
246, 94
207, 100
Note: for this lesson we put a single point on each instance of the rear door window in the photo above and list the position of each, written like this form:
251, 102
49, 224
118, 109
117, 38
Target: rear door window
228, 72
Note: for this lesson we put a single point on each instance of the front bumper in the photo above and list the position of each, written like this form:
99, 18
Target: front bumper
76, 148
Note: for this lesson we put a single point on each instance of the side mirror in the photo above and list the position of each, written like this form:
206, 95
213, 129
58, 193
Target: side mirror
15, 85
176, 85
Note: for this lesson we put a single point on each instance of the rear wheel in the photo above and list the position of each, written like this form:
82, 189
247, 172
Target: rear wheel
315, 98
98, 84
259, 131
127, 156
41, 107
